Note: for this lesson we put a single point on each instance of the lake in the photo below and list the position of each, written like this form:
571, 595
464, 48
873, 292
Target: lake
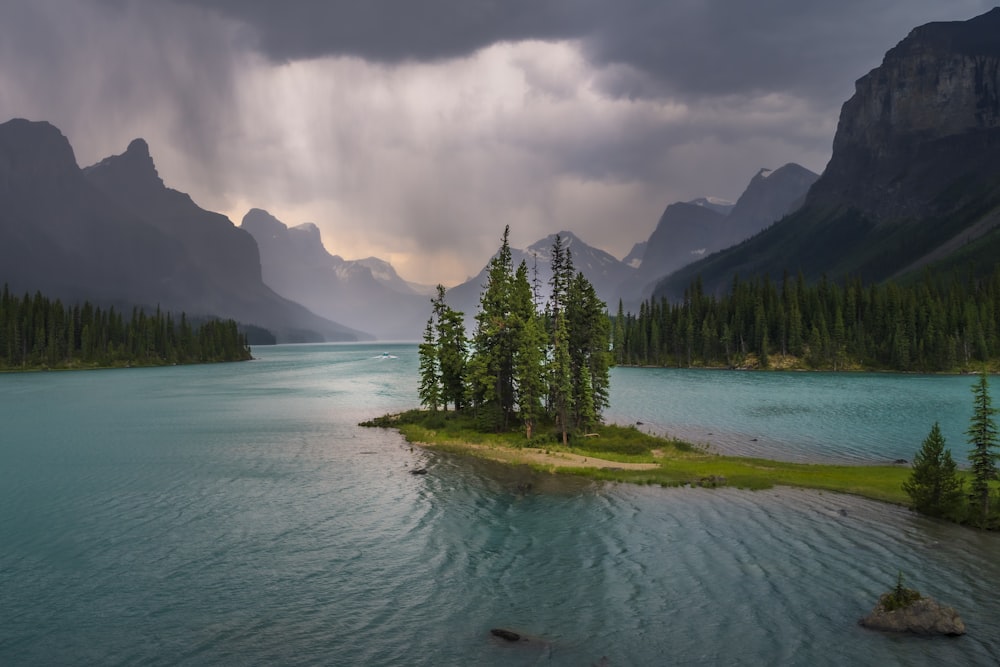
235, 514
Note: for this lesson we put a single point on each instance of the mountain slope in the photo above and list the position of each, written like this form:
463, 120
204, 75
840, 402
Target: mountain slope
914, 177
296, 264
687, 232
116, 238
604, 272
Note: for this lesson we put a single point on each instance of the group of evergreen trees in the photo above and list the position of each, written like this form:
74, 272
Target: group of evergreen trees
933, 325
522, 367
36, 332
935, 486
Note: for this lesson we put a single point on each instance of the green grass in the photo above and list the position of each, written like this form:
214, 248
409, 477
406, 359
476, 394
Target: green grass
679, 463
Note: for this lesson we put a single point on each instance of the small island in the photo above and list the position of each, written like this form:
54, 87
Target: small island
530, 385
905, 610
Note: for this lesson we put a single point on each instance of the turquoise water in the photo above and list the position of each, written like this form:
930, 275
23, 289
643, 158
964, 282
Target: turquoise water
235, 514
835, 417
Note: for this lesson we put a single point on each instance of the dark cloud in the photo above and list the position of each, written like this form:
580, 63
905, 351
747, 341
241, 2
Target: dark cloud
398, 30
415, 130
687, 47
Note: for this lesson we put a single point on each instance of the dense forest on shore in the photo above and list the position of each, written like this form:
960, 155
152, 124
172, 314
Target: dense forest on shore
36, 332
935, 324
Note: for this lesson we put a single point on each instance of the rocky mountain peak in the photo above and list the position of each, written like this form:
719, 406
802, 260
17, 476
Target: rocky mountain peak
258, 221
134, 168
33, 151
931, 110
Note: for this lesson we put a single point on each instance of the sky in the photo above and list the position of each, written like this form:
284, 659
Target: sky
415, 131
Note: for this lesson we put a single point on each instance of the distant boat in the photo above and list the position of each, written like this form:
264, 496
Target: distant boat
385, 355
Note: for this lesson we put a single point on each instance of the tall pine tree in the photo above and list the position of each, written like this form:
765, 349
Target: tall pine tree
982, 434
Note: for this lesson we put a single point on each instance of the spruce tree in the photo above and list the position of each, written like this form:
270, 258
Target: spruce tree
934, 485
451, 351
494, 341
982, 434
529, 352
430, 380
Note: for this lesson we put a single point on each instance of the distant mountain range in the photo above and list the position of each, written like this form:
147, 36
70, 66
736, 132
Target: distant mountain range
689, 231
368, 293
914, 179
113, 234
913, 182
604, 271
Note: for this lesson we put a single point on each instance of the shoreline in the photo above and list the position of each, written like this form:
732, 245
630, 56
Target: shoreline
534, 456
659, 462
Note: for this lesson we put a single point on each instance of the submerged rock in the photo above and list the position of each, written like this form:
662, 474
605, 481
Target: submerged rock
509, 635
923, 616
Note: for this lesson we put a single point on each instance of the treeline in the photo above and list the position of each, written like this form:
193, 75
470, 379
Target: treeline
936, 324
36, 332
523, 367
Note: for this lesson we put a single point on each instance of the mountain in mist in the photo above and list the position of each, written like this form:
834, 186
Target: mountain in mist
914, 178
368, 293
603, 270
689, 231
115, 235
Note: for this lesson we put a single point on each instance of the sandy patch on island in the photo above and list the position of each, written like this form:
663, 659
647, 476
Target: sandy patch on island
541, 457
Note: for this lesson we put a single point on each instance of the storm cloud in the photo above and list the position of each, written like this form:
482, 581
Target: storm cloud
416, 131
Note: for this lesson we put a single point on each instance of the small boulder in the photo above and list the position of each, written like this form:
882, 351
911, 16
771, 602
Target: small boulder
921, 616
509, 635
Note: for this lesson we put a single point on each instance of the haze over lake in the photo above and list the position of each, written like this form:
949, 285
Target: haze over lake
236, 514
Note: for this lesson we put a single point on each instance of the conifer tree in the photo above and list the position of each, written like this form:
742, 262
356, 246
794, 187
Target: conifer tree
529, 352
934, 485
430, 379
982, 434
588, 331
561, 379
451, 351
494, 341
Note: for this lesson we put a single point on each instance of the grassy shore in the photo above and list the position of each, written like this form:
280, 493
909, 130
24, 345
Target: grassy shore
625, 454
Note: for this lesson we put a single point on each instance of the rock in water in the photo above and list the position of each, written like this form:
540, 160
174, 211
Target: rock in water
922, 617
505, 634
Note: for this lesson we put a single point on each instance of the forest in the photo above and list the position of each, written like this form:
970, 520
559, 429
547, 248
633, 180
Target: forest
935, 324
37, 332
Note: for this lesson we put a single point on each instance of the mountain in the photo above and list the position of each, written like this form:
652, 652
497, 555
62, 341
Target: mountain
770, 196
722, 206
914, 178
115, 235
367, 293
604, 272
634, 256
689, 231
384, 272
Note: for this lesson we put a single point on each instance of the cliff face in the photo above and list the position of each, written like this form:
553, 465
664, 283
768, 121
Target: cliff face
914, 179
928, 117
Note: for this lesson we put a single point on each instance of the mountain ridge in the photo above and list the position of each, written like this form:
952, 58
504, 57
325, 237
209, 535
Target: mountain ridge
914, 178
115, 235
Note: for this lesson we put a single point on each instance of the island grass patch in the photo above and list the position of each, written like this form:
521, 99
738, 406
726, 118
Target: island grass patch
678, 463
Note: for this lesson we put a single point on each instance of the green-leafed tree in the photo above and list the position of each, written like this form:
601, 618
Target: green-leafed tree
493, 343
588, 331
430, 376
561, 379
982, 434
451, 351
529, 352
934, 485
560, 368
